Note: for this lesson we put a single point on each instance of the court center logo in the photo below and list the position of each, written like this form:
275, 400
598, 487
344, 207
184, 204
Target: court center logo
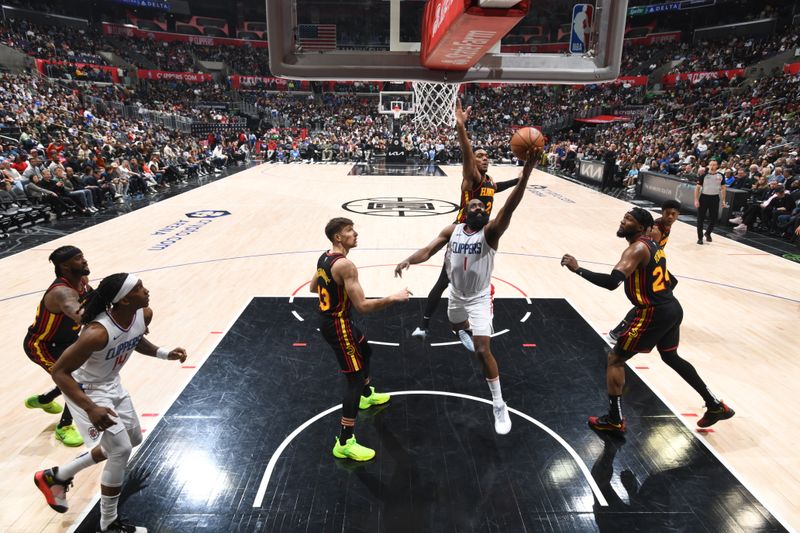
400, 206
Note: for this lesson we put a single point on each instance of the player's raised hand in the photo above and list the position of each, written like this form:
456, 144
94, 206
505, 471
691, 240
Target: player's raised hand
178, 354
398, 270
569, 262
462, 115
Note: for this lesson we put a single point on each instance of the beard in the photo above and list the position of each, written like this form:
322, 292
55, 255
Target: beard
476, 221
626, 234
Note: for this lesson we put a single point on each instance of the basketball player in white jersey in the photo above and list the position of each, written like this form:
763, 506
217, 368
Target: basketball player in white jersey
469, 261
116, 318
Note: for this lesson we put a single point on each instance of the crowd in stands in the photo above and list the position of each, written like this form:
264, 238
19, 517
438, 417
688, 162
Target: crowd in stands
77, 133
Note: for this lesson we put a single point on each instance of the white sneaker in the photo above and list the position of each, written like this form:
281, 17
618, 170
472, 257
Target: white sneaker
420, 333
502, 422
741, 227
466, 340
737, 220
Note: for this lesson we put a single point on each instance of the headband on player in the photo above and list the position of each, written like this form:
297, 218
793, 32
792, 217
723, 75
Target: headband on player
127, 287
642, 216
63, 254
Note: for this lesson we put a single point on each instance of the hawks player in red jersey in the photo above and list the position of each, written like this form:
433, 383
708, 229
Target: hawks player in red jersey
656, 321
336, 283
475, 183
55, 327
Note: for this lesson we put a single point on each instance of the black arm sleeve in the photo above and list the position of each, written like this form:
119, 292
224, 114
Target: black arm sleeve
607, 281
503, 185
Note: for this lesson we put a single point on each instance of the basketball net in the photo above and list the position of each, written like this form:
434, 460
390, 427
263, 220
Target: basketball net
435, 104
396, 112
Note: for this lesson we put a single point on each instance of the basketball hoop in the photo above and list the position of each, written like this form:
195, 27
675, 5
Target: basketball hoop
397, 111
435, 104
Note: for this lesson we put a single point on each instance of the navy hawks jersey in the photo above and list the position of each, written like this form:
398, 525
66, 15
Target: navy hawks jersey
333, 300
484, 192
649, 285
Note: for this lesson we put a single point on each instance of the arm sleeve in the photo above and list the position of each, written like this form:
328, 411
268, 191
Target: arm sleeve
607, 281
503, 185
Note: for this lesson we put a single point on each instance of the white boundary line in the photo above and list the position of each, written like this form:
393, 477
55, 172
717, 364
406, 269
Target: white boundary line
692, 430
262, 487
384, 343
502, 332
449, 343
297, 316
526, 317
89, 506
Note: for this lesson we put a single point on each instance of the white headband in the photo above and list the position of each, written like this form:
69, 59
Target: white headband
130, 283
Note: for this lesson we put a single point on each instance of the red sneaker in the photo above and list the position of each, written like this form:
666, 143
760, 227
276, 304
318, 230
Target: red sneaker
603, 423
712, 416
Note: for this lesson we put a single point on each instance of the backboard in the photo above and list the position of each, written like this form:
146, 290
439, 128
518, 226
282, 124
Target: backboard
376, 40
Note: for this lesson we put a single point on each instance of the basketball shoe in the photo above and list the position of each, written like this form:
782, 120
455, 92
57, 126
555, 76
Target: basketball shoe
55, 491
420, 333
376, 398
712, 416
604, 423
120, 525
53, 407
502, 422
352, 450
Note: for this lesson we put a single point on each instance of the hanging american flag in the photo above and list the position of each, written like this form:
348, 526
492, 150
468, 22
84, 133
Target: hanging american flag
317, 36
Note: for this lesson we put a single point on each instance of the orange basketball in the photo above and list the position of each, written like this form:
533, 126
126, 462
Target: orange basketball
526, 140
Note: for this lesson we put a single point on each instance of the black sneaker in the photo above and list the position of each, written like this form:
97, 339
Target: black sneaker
121, 525
708, 237
699, 241
603, 423
712, 416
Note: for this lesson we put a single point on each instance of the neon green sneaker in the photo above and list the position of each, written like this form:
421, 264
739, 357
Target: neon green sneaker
376, 398
69, 436
352, 450
53, 407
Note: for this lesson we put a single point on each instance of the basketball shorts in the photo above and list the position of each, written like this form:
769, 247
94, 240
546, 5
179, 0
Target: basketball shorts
650, 327
44, 354
112, 395
478, 310
347, 342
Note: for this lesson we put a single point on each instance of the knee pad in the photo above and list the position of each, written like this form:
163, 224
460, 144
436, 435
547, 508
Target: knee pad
117, 449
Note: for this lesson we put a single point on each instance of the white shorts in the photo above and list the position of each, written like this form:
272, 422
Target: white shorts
478, 310
112, 395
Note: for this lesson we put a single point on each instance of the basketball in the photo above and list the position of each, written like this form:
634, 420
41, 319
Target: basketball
525, 140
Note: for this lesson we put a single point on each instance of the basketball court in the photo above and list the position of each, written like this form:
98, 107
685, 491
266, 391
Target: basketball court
239, 437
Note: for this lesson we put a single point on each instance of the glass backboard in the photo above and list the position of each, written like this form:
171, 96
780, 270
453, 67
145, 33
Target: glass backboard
555, 42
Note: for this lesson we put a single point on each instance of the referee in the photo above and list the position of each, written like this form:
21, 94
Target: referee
710, 188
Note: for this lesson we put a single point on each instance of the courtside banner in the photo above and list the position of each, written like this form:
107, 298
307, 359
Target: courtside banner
791, 68
112, 71
694, 77
127, 30
191, 77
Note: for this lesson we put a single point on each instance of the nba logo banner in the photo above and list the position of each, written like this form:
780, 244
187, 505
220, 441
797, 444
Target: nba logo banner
581, 26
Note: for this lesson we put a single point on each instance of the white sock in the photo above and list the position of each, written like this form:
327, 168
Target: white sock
69, 470
108, 510
497, 394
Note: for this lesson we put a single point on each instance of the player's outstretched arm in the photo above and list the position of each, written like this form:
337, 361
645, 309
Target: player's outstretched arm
348, 273
94, 337
495, 228
633, 256
470, 175
423, 254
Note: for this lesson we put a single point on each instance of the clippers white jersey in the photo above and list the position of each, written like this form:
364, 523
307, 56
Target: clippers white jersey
104, 365
470, 261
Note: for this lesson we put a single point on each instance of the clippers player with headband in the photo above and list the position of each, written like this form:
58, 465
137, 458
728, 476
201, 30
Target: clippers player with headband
655, 323
469, 261
55, 327
116, 316
336, 283
475, 183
